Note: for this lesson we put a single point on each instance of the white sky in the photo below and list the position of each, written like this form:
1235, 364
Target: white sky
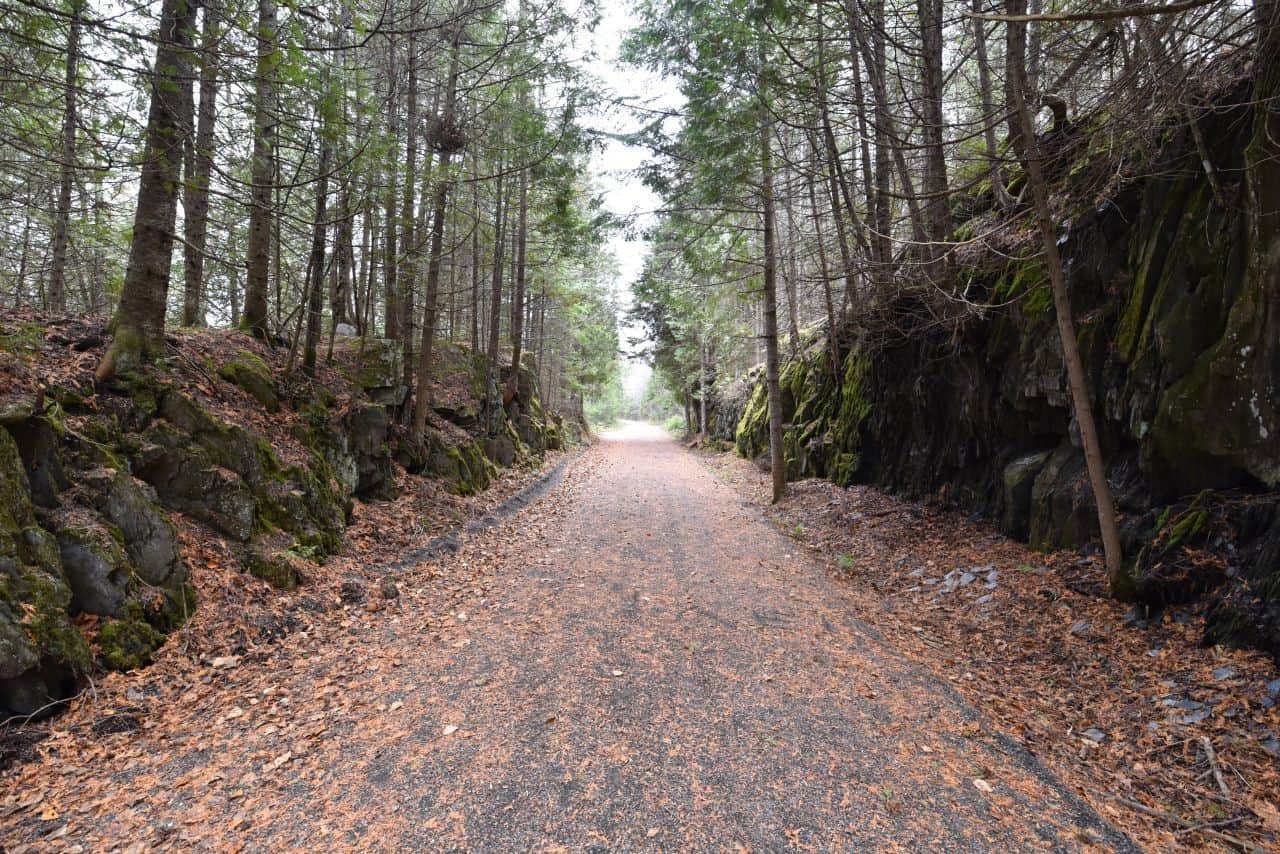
625, 195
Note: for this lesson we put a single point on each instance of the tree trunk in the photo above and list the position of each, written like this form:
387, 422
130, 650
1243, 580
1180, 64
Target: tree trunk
390, 256
195, 203
319, 231
1029, 150
57, 294
937, 206
407, 275
253, 317
778, 465
139, 321
517, 293
436, 251
494, 406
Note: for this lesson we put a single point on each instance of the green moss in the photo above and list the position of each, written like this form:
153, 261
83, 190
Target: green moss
128, 644
279, 569
22, 336
249, 372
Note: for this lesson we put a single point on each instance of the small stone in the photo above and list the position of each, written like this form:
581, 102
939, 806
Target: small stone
1273, 688
982, 600
1182, 703
1195, 717
1080, 627
1095, 735
1224, 673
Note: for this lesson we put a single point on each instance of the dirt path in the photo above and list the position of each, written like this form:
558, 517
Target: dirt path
644, 663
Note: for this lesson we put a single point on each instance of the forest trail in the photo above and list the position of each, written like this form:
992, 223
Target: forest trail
647, 664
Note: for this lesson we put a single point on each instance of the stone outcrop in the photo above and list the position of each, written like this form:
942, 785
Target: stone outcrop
976, 413
86, 492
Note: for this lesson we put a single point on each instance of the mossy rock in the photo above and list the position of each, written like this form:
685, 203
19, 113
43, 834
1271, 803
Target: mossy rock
251, 374
463, 469
281, 568
128, 644
1018, 479
97, 569
150, 538
42, 655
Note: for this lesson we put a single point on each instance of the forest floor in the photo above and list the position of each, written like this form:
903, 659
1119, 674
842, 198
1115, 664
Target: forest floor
639, 660
1175, 743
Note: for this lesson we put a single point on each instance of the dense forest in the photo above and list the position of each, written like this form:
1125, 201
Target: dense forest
415, 172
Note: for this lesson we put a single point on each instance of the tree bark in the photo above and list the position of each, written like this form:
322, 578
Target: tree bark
253, 317
195, 203
390, 256
937, 203
407, 275
495, 304
778, 465
988, 108
57, 292
1029, 150
431, 299
139, 321
517, 293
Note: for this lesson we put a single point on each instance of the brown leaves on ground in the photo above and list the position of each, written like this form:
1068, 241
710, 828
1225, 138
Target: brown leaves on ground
1173, 742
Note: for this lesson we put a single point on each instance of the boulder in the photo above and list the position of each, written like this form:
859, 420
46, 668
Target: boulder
37, 443
381, 371
1063, 514
186, 480
279, 567
368, 426
1018, 478
150, 538
97, 569
500, 449
251, 374
16, 408
42, 655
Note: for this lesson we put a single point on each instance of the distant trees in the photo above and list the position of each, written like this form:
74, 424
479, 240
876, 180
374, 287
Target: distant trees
323, 168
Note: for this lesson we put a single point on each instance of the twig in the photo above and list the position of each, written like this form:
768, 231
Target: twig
46, 707
1213, 763
1195, 827
1190, 825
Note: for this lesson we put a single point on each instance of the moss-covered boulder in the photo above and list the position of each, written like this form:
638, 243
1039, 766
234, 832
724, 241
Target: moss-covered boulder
250, 373
463, 468
38, 440
1018, 480
42, 656
186, 479
280, 567
368, 431
380, 370
128, 644
96, 567
149, 537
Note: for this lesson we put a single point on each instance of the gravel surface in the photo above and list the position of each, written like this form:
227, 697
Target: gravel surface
638, 661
